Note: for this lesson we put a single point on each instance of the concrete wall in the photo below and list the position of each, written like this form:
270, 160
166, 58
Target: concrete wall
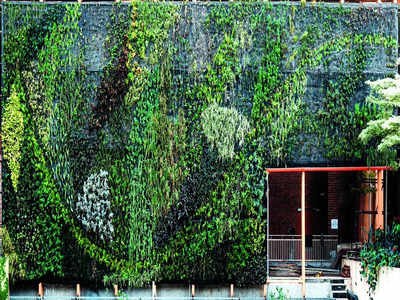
315, 288
387, 286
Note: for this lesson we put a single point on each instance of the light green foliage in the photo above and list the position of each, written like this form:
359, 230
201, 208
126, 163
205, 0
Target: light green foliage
148, 44
3, 278
279, 294
137, 87
93, 206
386, 94
12, 130
225, 129
15, 267
35, 96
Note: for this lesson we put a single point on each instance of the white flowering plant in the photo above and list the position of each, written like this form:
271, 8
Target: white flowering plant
94, 207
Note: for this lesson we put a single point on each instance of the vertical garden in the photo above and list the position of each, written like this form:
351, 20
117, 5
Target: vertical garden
151, 167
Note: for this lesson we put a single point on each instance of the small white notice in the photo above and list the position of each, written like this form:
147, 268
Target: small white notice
334, 224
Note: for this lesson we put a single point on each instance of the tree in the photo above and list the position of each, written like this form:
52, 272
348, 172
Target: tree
386, 129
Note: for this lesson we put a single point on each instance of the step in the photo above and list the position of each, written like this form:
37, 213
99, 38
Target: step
339, 295
337, 281
338, 287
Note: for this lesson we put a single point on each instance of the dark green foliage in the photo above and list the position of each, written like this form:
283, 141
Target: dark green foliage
382, 249
181, 211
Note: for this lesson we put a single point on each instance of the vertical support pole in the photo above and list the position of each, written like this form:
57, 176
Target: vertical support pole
78, 290
303, 233
265, 291
370, 203
379, 219
8, 277
385, 207
153, 291
115, 290
232, 291
40, 292
193, 290
267, 196
375, 206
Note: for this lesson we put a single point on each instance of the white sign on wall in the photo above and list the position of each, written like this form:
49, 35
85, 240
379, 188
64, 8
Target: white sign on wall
334, 224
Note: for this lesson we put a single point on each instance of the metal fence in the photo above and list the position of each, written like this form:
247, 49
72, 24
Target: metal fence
288, 247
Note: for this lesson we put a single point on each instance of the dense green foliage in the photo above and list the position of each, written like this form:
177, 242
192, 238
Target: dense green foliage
382, 249
157, 172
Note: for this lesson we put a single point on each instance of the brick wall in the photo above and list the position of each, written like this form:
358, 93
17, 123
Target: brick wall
284, 201
335, 194
327, 196
343, 203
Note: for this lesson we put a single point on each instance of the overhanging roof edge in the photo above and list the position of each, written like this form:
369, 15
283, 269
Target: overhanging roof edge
326, 169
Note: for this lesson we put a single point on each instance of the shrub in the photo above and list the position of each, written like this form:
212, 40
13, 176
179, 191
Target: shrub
382, 249
224, 128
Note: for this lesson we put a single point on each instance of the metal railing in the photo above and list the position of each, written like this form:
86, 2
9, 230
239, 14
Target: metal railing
288, 247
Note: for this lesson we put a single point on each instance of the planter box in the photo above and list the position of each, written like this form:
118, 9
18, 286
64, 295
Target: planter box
387, 286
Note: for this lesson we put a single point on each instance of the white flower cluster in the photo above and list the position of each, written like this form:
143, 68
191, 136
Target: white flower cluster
94, 208
387, 128
389, 88
224, 128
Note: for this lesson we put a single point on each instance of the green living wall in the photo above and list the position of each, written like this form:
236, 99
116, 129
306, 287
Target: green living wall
135, 137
